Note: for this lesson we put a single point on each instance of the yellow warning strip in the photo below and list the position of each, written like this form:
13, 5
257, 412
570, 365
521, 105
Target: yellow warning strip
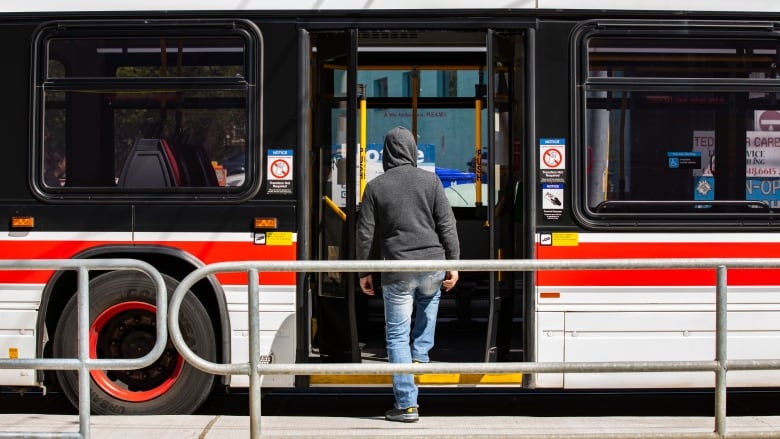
440, 379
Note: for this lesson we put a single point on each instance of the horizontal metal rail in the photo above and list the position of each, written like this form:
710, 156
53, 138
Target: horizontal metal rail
255, 369
83, 363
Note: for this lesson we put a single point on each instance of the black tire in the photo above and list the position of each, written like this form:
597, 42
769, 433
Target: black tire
122, 313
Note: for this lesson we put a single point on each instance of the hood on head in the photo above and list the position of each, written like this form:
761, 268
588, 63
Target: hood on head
400, 149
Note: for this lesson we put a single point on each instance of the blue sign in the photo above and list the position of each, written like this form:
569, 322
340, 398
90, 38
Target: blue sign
552, 141
684, 160
763, 189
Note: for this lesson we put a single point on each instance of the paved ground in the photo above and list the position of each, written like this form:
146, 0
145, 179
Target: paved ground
223, 427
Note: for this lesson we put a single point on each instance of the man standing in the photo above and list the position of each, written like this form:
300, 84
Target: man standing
405, 215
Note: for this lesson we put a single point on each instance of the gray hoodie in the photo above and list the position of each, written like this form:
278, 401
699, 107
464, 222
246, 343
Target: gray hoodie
406, 209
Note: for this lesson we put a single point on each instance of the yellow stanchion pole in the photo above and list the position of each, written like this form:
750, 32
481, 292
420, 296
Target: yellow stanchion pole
362, 98
478, 146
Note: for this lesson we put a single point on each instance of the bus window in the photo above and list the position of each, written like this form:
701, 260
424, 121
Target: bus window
103, 98
140, 57
661, 139
695, 57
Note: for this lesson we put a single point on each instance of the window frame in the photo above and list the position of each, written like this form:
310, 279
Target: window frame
638, 213
251, 84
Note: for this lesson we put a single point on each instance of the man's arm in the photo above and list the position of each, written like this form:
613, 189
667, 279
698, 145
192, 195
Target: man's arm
448, 234
445, 224
366, 228
367, 284
450, 279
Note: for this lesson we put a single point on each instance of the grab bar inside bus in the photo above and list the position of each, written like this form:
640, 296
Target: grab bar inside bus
334, 207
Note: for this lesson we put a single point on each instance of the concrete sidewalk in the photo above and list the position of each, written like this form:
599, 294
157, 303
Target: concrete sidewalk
221, 427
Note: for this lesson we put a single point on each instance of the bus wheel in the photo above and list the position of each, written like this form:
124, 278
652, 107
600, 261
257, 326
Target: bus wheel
122, 325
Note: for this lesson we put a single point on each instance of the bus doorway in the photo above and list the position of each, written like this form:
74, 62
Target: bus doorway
459, 93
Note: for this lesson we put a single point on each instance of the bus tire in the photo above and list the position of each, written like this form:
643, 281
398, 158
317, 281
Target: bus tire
122, 325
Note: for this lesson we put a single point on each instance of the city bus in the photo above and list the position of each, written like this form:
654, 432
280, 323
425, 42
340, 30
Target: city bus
185, 133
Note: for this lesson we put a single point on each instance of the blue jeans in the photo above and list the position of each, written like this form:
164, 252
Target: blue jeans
419, 291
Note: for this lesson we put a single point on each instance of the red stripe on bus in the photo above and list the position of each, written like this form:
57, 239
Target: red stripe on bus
660, 250
207, 252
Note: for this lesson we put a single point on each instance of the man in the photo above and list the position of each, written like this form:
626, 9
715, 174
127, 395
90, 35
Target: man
405, 215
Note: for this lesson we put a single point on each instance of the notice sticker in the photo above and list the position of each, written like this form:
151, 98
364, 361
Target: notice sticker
552, 200
551, 153
565, 239
280, 171
684, 160
552, 196
278, 238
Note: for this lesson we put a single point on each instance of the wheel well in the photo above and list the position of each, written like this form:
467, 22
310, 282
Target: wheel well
63, 286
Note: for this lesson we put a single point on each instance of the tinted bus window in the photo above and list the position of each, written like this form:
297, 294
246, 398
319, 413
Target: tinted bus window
145, 114
147, 57
682, 57
671, 145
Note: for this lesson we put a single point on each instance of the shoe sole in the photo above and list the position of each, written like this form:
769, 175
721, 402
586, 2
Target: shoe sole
403, 419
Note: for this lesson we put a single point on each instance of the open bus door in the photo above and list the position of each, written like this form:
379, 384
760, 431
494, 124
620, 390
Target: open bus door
454, 91
333, 329
489, 220
504, 158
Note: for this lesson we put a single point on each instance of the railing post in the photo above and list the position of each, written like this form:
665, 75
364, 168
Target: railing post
83, 341
83, 364
255, 394
719, 366
721, 338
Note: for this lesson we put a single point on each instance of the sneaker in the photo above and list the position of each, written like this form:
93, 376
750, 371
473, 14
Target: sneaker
403, 415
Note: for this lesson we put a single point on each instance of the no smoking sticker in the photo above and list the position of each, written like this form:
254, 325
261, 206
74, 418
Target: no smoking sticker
551, 153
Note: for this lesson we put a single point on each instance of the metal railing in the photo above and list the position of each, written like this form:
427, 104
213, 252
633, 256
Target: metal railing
256, 370
83, 363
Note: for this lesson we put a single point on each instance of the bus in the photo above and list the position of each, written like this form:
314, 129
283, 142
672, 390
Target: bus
185, 133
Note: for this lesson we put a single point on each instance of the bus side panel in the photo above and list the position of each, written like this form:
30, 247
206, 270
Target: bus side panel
17, 334
14, 113
668, 336
655, 315
222, 234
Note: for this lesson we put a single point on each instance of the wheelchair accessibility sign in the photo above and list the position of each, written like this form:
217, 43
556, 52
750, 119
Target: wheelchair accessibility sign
684, 160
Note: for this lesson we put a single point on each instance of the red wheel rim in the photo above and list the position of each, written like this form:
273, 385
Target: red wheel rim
129, 328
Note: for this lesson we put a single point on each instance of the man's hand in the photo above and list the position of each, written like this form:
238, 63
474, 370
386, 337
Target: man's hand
450, 279
367, 284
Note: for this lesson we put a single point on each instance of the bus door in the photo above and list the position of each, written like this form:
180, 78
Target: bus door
454, 91
333, 332
504, 219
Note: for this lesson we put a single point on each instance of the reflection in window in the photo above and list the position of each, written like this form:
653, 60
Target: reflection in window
683, 57
654, 150
113, 132
142, 57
